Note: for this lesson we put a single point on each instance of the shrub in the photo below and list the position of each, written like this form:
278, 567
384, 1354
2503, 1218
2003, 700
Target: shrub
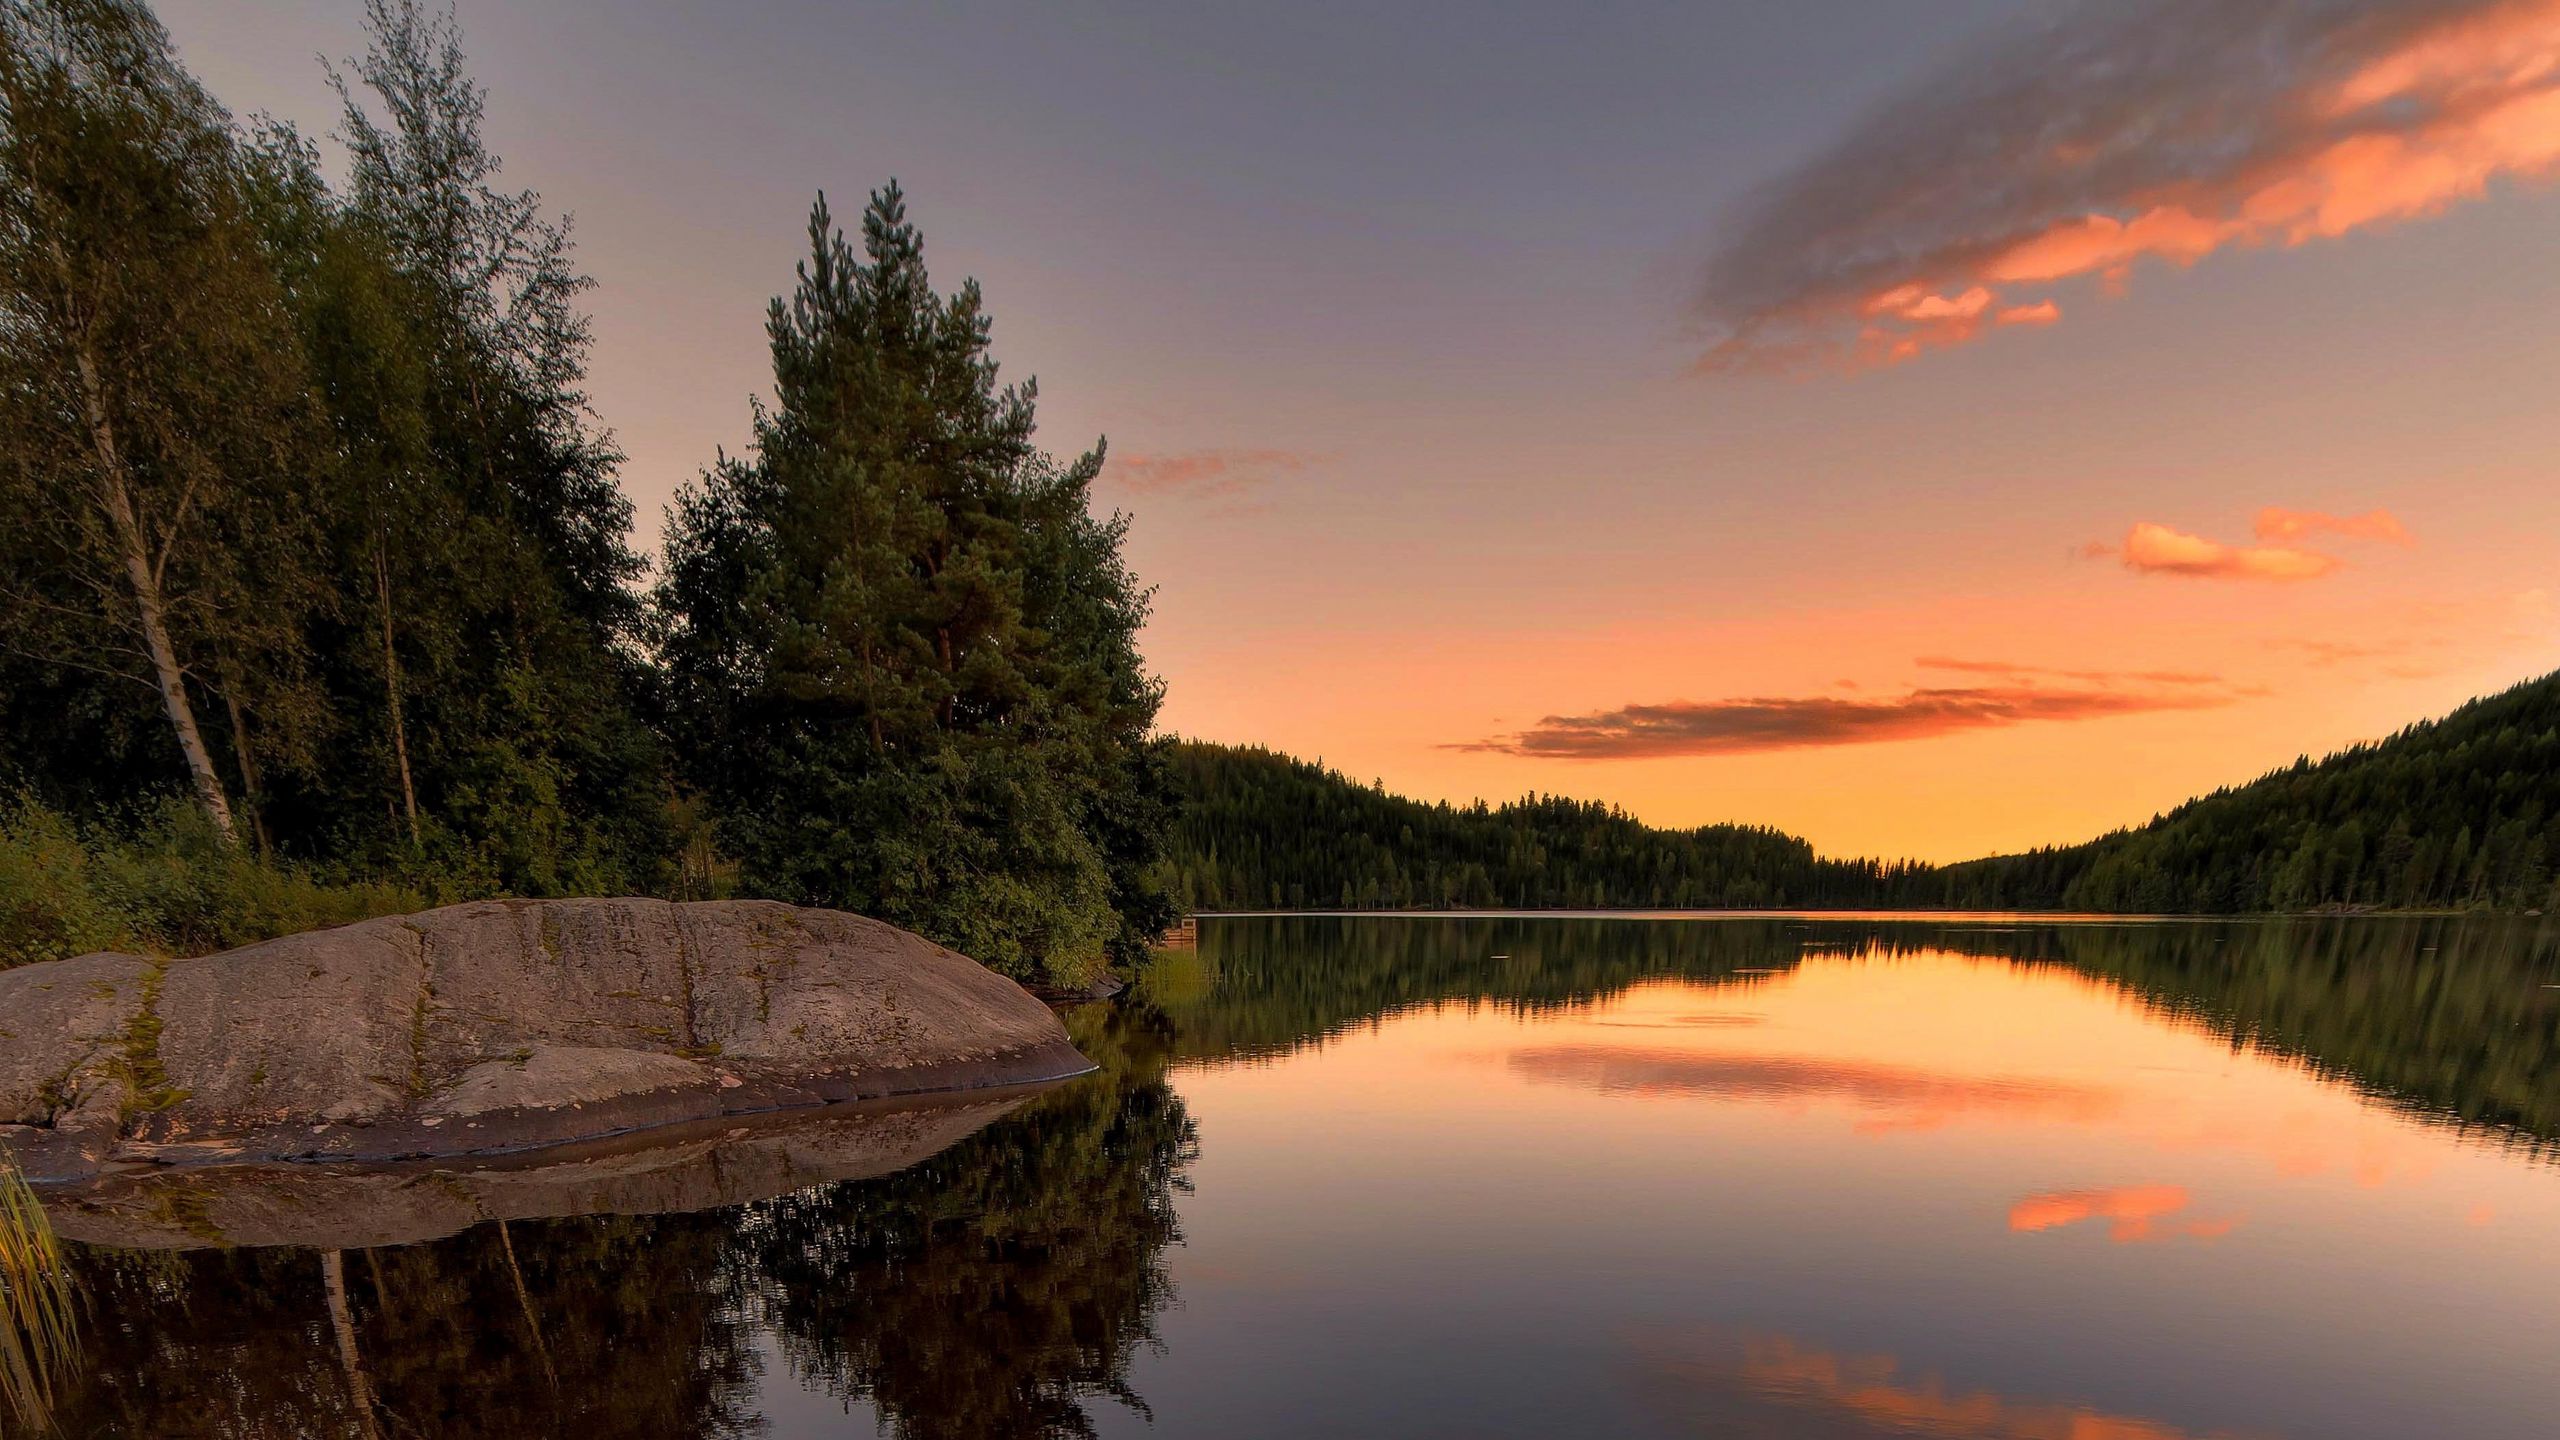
162, 884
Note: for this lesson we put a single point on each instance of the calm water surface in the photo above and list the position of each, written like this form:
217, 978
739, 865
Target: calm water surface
1479, 1176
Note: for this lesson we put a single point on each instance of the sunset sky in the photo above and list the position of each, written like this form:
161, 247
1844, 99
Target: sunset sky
1930, 429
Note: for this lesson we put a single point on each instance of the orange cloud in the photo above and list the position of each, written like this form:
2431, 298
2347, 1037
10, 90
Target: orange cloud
1206, 472
2279, 524
1864, 1395
2128, 135
1745, 726
2100, 243
2151, 549
2134, 1213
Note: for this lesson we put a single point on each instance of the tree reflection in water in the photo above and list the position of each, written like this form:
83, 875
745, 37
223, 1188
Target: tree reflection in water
2456, 1019
1006, 1286
995, 1290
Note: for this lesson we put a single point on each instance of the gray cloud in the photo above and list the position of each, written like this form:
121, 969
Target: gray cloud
2111, 130
1744, 726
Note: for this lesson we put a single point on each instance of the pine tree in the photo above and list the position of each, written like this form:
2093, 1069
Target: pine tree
901, 651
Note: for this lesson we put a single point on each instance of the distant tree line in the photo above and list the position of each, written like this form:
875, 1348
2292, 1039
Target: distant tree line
304, 516
1262, 831
2451, 814
2456, 813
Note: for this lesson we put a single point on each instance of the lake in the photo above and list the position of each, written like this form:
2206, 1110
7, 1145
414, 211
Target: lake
1772, 1176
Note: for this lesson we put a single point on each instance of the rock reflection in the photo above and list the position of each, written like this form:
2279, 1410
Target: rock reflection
995, 1289
698, 1166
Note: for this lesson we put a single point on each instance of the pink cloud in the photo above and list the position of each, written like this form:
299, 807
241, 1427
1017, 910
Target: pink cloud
2341, 652
2126, 135
1893, 1098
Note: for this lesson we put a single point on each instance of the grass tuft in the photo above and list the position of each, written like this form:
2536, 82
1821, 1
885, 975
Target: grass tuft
38, 1320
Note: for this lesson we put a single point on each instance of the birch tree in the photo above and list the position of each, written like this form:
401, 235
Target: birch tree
154, 418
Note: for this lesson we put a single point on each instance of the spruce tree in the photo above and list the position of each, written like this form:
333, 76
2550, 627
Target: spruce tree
900, 649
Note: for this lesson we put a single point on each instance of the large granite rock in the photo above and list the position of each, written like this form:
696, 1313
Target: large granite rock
496, 1026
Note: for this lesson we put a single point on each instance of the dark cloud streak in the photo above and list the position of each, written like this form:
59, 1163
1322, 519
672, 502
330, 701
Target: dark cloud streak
1747, 726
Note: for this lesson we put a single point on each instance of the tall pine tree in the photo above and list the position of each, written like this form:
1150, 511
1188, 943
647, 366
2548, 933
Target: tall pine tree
900, 649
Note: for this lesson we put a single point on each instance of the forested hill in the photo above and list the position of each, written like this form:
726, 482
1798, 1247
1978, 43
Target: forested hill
1260, 830
2460, 812
2452, 813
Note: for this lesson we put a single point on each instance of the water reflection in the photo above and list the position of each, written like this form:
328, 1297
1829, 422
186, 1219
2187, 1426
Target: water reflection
1720, 1385
2133, 1213
1002, 1286
2018, 1181
2458, 1018
1783, 1177
1896, 1097
999, 1288
613, 1327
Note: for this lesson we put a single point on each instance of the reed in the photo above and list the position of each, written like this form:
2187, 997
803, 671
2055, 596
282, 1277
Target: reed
37, 1318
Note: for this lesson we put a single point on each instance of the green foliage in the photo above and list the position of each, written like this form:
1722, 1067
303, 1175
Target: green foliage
39, 1325
2454, 1019
1263, 831
302, 510
389, 566
167, 885
2452, 814
154, 416
900, 650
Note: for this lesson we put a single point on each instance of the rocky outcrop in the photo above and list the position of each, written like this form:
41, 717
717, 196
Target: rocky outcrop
492, 1027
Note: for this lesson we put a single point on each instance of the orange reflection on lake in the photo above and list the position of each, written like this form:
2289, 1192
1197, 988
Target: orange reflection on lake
1756, 1378
1988, 1194
2133, 1213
